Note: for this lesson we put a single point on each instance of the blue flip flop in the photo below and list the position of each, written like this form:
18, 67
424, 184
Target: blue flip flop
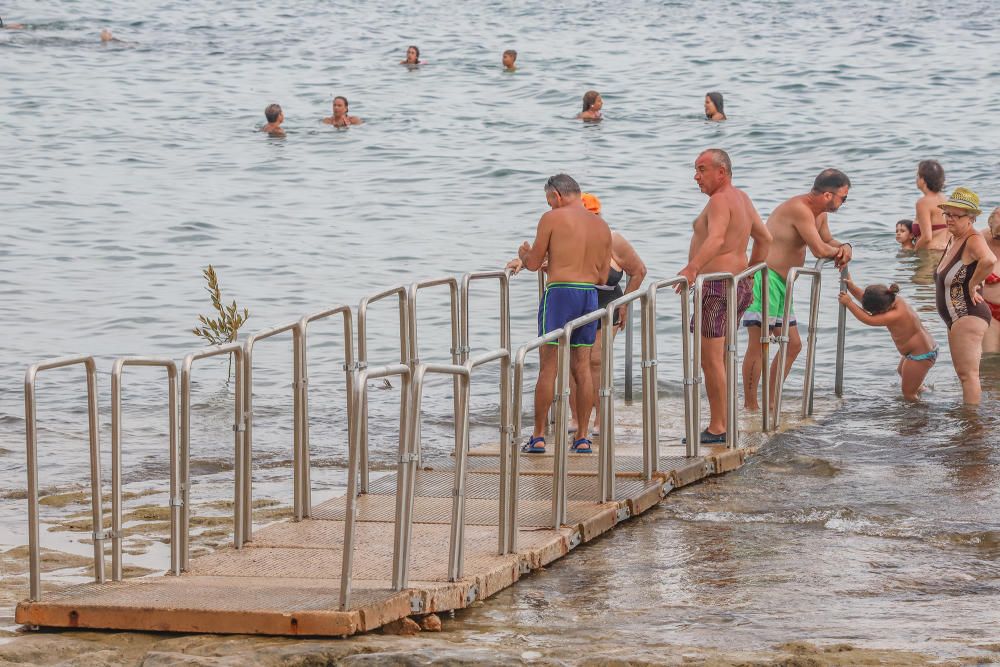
582, 446
531, 447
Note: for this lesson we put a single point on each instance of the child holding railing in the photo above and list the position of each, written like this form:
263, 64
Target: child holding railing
881, 307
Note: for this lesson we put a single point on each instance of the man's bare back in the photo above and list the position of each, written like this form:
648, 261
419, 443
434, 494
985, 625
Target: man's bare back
577, 243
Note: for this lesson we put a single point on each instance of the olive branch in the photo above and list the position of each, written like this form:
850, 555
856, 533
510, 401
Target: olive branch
224, 329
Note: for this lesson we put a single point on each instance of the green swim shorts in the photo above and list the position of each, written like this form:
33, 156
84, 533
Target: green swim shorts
775, 303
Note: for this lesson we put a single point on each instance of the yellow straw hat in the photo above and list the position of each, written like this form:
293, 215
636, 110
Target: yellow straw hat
591, 203
963, 198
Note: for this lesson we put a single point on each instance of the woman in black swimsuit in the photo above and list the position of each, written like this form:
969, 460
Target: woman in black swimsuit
624, 261
958, 280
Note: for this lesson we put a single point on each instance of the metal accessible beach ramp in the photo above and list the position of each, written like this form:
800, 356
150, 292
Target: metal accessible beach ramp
423, 539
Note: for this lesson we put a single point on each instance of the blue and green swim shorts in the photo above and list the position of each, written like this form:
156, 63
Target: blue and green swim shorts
563, 302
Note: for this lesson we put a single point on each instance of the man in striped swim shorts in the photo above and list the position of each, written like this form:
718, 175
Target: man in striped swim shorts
577, 244
722, 232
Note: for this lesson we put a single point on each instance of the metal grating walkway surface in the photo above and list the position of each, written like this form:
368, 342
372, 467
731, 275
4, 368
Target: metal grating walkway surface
287, 580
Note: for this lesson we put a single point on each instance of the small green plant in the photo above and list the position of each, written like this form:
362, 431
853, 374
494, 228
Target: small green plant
224, 329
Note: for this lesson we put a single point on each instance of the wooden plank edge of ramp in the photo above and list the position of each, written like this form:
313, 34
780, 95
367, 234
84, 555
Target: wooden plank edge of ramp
421, 598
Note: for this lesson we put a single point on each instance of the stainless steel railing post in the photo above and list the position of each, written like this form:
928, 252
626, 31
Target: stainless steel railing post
629, 332
732, 359
31, 448
651, 419
605, 404
116, 460
349, 366
404, 358
838, 386
765, 350
517, 395
239, 430
808, 377
248, 421
790, 280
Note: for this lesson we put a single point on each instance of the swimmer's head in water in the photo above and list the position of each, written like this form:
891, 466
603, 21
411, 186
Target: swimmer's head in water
412, 54
877, 299
508, 58
904, 231
106, 35
592, 101
933, 174
272, 113
340, 104
591, 202
713, 104
832, 185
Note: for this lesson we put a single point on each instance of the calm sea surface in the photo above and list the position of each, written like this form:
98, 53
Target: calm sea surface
127, 168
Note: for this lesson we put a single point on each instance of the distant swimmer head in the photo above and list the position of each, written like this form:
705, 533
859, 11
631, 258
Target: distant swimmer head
932, 174
273, 113
412, 55
877, 299
832, 185
591, 202
592, 101
508, 58
714, 106
106, 35
561, 189
340, 105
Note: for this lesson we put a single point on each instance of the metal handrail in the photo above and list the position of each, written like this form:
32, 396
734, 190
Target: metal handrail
518, 409
116, 461
404, 358
456, 337
31, 437
791, 278
765, 343
650, 366
247, 471
355, 472
239, 426
349, 366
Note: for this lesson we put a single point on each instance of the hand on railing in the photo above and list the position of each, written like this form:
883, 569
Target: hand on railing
843, 256
515, 266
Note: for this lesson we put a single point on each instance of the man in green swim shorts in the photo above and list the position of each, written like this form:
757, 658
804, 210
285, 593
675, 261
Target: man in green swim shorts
796, 224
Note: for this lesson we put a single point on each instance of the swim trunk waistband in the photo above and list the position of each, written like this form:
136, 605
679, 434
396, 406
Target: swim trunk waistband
926, 356
564, 302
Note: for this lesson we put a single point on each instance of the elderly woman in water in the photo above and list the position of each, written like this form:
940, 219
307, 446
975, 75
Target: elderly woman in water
592, 105
958, 279
714, 106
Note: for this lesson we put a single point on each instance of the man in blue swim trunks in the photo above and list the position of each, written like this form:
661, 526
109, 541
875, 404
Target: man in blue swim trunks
577, 244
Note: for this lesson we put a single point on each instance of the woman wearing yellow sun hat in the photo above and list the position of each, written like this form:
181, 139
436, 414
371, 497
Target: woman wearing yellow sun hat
958, 280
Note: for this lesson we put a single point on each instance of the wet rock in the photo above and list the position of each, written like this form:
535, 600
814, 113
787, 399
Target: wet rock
430, 623
404, 626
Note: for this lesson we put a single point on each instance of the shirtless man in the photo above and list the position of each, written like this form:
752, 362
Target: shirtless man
719, 244
796, 224
340, 117
275, 117
578, 246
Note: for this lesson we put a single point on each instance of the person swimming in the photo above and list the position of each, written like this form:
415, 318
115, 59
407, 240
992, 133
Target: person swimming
904, 235
882, 307
508, 59
592, 105
11, 26
714, 106
412, 56
275, 117
340, 118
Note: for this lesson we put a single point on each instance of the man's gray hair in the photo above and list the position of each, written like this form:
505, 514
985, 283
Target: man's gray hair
564, 184
720, 158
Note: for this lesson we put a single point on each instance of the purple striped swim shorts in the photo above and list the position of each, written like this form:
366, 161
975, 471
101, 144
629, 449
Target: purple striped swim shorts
713, 306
